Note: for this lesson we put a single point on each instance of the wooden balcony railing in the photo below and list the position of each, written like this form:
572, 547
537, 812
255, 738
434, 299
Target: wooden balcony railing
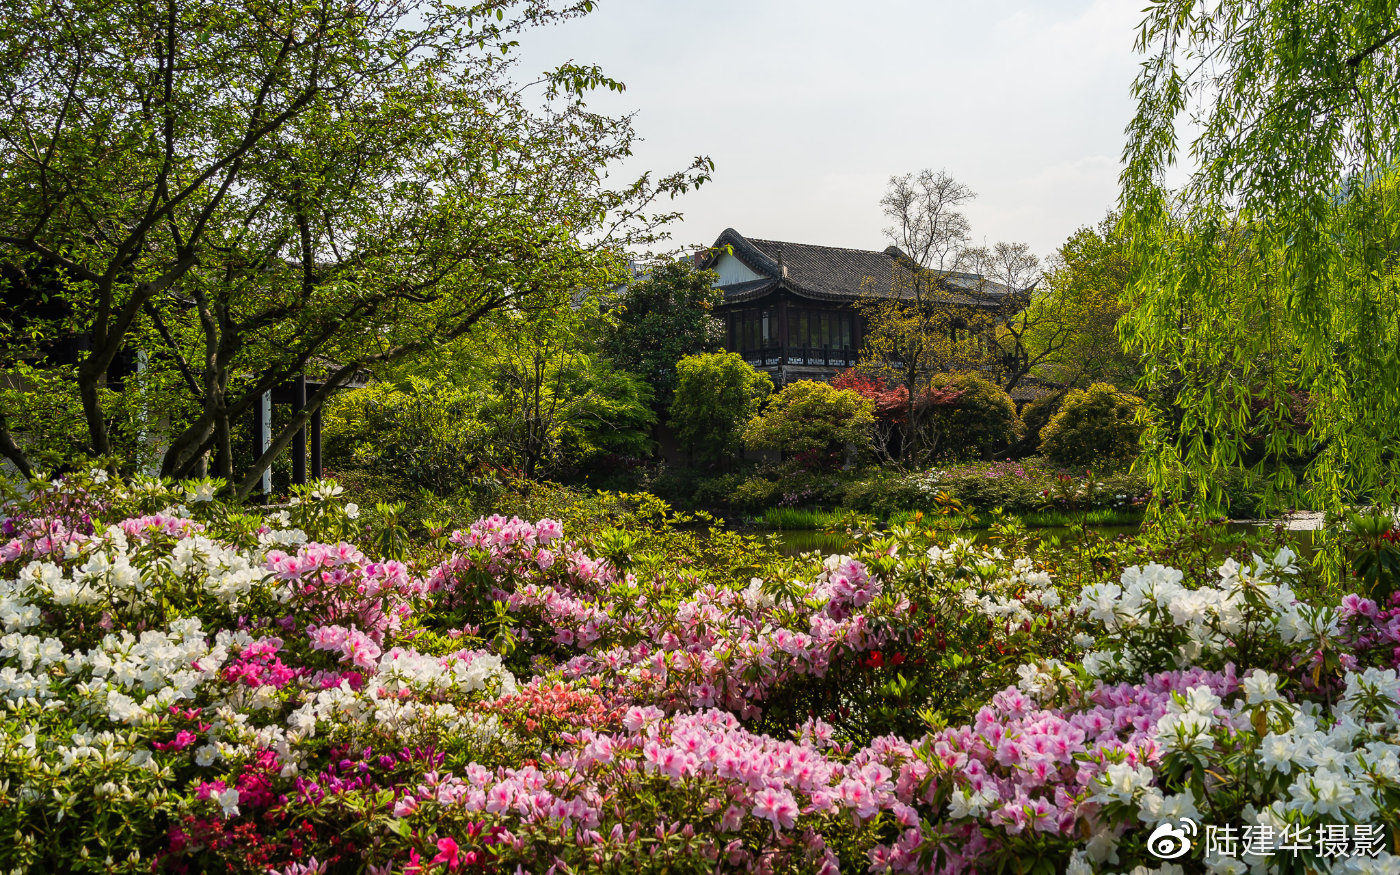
811, 356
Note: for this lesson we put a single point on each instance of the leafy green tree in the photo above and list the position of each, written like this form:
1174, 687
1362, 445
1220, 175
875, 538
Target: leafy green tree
1086, 282
662, 318
1093, 425
716, 394
815, 422
616, 418
982, 423
421, 432
555, 403
260, 189
532, 393
1274, 269
1064, 327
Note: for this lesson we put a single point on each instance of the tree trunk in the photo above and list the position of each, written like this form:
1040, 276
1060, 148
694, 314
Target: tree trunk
11, 451
223, 446
90, 380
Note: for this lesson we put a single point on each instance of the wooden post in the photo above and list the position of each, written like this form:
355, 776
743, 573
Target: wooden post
782, 330
299, 442
316, 445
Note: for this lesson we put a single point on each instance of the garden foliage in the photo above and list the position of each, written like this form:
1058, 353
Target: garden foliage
191, 688
983, 423
716, 395
660, 319
1272, 269
252, 191
1035, 415
1093, 426
813, 422
424, 433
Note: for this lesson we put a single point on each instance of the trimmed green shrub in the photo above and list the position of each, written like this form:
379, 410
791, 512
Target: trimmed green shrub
884, 493
1094, 425
694, 489
814, 422
755, 493
983, 423
1017, 487
716, 393
1035, 416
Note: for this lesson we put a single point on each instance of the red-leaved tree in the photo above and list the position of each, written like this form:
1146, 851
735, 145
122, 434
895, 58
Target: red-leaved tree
892, 433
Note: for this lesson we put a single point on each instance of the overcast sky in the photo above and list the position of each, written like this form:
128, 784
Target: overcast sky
808, 106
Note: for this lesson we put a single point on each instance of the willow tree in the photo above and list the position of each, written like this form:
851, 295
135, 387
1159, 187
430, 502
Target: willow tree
254, 189
1272, 271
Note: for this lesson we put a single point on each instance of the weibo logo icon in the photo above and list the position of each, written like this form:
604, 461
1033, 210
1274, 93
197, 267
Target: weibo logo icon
1169, 841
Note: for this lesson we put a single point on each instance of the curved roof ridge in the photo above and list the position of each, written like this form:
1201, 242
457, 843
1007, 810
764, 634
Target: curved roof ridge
885, 251
746, 252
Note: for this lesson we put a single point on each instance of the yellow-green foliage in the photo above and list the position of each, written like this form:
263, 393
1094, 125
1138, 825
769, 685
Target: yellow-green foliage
716, 393
814, 421
420, 432
983, 424
1037, 414
1096, 424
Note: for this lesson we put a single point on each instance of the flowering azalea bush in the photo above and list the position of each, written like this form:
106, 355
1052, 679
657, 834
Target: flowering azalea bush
192, 688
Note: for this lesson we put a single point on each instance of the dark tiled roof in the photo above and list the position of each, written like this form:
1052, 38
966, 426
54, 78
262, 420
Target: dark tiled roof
830, 273
750, 290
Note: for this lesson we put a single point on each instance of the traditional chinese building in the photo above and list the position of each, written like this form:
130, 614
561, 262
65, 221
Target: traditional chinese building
789, 308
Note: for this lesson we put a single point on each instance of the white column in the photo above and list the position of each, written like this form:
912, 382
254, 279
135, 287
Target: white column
147, 432
265, 440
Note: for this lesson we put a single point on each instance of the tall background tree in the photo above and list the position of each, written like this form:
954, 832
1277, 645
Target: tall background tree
717, 393
257, 190
525, 393
554, 402
1274, 269
1026, 333
662, 318
1063, 325
1085, 282
919, 328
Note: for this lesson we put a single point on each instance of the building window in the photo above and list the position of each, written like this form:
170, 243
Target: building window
767, 333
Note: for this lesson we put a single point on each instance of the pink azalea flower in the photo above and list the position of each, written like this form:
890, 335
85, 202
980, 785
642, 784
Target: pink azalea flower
776, 806
448, 853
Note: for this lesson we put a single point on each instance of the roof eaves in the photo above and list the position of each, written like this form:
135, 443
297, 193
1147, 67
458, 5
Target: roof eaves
738, 293
746, 252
